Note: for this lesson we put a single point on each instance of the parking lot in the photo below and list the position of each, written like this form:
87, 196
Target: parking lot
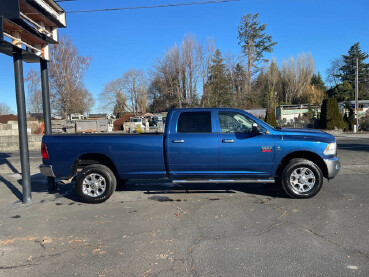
153, 228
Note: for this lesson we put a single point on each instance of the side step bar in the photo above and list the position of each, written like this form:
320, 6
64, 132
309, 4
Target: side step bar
222, 181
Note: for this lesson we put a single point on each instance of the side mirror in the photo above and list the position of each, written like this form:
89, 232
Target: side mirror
255, 129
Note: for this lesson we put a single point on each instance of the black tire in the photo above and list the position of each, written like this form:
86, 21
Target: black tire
311, 178
107, 181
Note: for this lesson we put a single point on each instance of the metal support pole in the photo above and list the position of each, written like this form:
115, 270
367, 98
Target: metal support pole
22, 125
46, 110
357, 94
45, 96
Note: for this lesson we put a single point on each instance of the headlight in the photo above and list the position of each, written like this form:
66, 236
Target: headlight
331, 149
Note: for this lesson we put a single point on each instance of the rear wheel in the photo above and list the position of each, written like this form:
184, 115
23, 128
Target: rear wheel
301, 178
95, 183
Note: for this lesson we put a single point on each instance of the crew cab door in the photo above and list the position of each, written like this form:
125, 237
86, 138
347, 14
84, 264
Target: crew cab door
242, 151
191, 146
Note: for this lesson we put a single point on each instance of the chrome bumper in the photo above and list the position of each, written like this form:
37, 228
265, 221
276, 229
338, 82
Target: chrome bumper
333, 166
47, 170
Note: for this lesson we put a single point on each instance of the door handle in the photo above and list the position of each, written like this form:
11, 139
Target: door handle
178, 141
228, 140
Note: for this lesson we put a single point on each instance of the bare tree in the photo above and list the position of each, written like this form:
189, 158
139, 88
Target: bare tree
175, 77
190, 69
289, 79
334, 72
67, 69
296, 76
34, 97
113, 98
134, 85
4, 109
305, 71
206, 53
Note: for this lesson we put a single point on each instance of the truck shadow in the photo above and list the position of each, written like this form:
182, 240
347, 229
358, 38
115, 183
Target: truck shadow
155, 187
158, 188
148, 187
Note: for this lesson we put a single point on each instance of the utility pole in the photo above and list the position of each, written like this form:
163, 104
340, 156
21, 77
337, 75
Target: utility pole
357, 94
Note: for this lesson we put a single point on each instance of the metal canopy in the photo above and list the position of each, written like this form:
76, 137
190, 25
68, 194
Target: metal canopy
9, 49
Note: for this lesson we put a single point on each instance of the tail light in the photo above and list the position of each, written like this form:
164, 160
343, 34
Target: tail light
44, 153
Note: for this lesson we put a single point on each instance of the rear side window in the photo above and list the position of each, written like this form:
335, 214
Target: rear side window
194, 122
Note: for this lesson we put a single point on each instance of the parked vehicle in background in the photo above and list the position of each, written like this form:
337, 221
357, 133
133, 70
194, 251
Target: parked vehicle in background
138, 123
203, 145
156, 119
92, 125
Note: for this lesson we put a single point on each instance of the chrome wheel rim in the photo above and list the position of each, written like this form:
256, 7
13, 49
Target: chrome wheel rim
94, 185
302, 180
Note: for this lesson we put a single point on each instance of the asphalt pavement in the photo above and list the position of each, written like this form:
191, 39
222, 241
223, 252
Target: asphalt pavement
33, 154
153, 228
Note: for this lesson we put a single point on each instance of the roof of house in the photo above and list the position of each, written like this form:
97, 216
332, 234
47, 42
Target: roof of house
353, 102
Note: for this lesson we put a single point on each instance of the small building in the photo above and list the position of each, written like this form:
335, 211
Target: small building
363, 106
101, 116
75, 116
290, 112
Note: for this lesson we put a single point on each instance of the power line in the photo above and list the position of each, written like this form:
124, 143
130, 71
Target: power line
152, 7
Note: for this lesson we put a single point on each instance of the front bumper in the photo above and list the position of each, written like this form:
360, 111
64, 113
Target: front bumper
47, 170
333, 167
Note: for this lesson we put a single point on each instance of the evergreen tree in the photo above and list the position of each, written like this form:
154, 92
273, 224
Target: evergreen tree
342, 92
270, 118
348, 70
239, 85
349, 65
254, 42
218, 84
350, 120
318, 82
330, 116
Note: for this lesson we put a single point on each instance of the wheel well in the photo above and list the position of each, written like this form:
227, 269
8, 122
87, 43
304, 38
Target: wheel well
315, 158
93, 158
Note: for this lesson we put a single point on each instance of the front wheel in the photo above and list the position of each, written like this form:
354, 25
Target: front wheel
95, 184
301, 178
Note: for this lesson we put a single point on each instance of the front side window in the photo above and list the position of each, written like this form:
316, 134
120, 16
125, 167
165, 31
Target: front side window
234, 122
194, 122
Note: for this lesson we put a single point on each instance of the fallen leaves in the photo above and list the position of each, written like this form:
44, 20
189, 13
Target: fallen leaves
78, 242
46, 240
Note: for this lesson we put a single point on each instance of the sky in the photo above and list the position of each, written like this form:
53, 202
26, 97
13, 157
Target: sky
119, 40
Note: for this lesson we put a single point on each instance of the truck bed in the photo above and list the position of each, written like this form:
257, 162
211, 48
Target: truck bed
135, 155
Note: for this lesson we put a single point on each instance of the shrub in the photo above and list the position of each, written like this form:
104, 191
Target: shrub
350, 120
270, 118
330, 117
118, 124
364, 122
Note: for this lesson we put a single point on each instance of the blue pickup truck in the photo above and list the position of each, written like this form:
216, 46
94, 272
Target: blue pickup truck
199, 145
